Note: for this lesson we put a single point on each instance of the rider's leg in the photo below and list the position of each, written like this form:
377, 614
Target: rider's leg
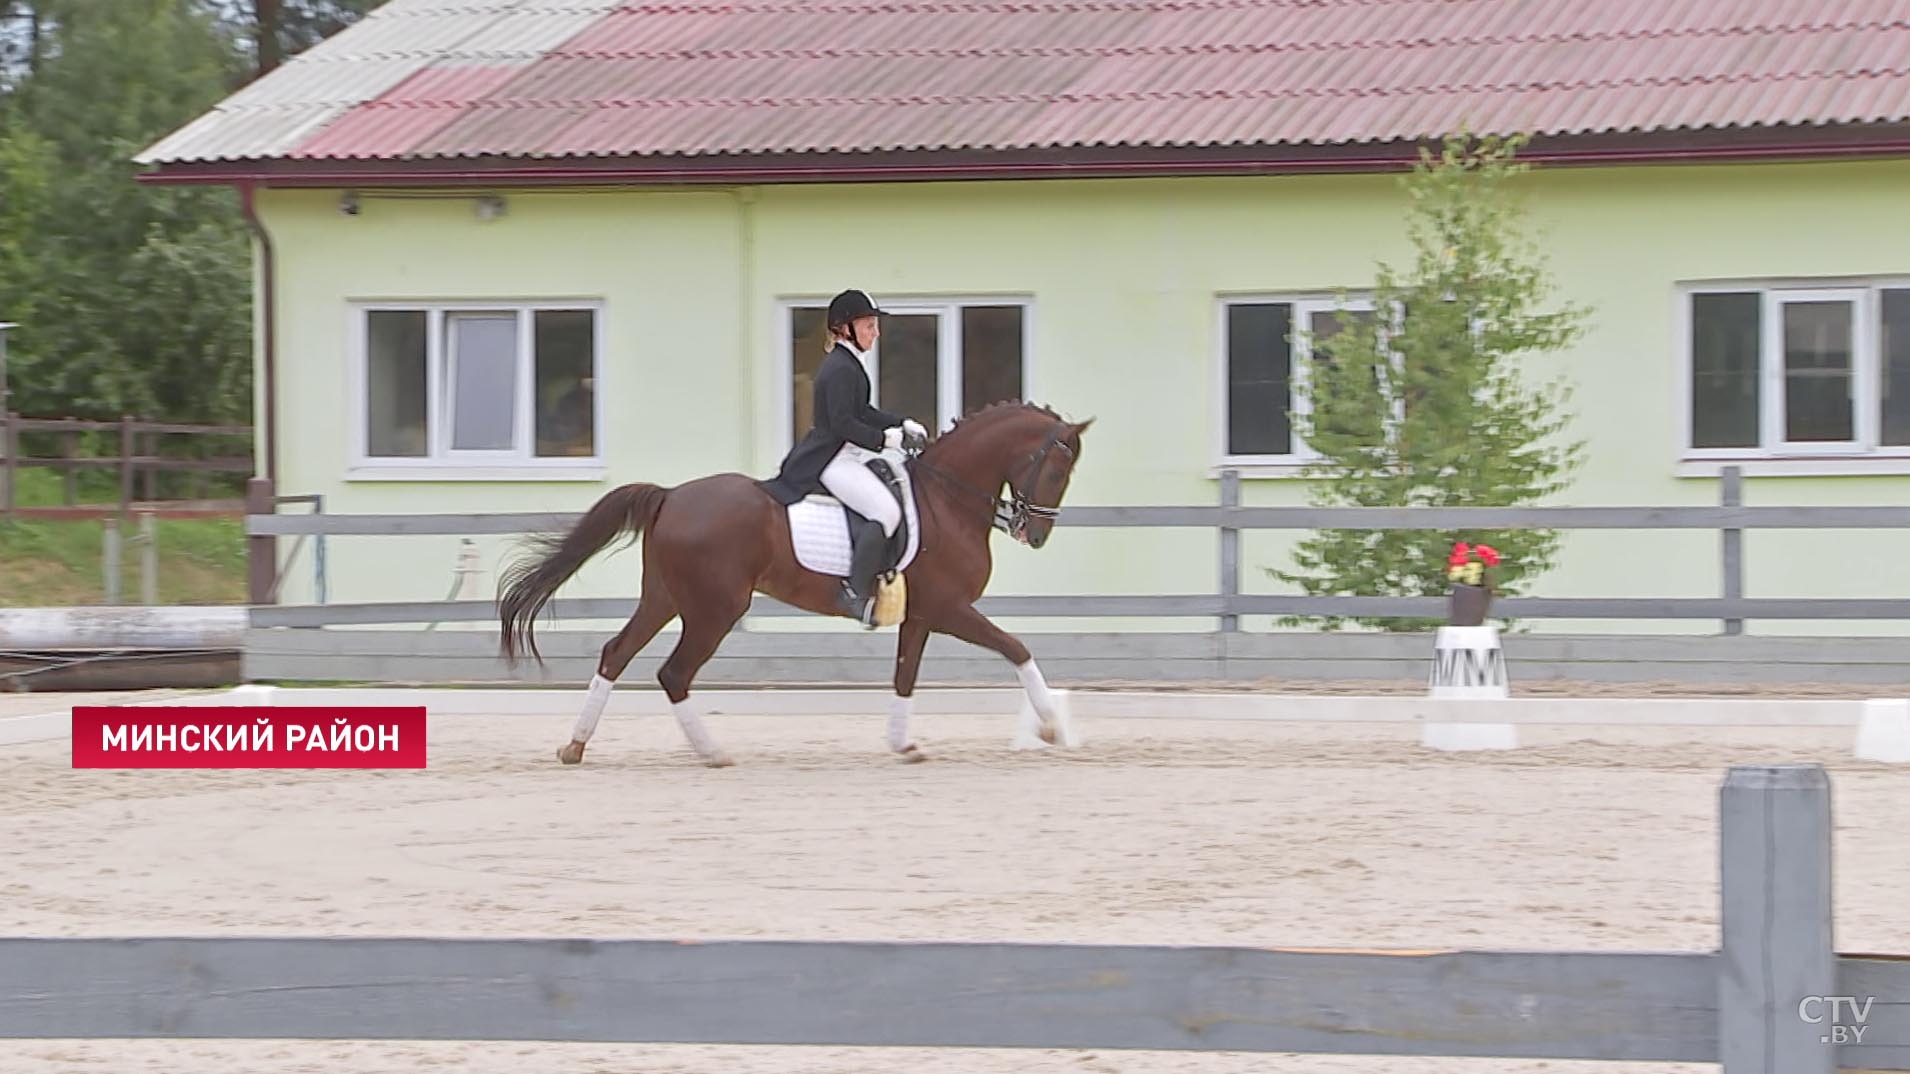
861, 491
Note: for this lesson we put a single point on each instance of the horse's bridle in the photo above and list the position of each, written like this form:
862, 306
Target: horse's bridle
1011, 516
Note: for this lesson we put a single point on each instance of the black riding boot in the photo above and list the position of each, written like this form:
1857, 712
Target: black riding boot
857, 599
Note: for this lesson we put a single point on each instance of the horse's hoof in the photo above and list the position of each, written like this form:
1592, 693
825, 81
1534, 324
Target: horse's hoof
571, 753
1047, 734
911, 754
719, 760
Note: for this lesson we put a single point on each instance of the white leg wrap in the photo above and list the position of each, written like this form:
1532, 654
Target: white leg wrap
1037, 687
693, 729
1042, 709
594, 700
900, 709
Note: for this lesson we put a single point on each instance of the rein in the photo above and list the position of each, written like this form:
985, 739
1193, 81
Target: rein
1010, 515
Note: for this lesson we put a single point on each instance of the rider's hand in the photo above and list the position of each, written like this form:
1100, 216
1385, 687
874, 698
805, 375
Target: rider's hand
892, 437
914, 429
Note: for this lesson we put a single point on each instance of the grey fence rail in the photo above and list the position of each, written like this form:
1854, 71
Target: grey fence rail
1729, 519
1773, 998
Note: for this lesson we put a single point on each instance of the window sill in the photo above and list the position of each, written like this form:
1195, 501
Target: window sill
1259, 471
1877, 464
587, 471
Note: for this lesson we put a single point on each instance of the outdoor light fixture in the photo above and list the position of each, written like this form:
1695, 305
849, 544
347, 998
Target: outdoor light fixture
348, 203
490, 207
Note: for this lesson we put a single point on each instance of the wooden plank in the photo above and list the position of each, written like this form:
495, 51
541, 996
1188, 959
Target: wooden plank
1651, 1007
1079, 658
1269, 518
1115, 517
1162, 606
339, 525
1775, 867
1589, 607
1884, 1040
1571, 518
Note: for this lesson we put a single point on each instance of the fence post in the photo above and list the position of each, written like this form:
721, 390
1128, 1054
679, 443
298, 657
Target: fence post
149, 447
318, 552
1229, 549
148, 559
261, 551
70, 445
10, 443
109, 557
1775, 865
1731, 494
125, 463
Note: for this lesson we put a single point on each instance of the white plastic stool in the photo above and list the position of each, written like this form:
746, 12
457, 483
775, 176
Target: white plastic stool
1468, 665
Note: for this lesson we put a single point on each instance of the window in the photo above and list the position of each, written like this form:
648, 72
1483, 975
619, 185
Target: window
935, 361
478, 385
1798, 371
1265, 371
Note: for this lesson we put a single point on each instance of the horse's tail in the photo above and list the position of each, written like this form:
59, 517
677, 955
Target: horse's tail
550, 559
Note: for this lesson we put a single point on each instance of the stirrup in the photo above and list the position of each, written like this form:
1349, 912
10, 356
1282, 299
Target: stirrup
855, 606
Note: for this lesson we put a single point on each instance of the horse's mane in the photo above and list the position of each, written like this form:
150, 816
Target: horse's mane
1002, 407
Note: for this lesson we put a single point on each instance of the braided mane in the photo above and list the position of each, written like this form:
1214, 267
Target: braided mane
1004, 405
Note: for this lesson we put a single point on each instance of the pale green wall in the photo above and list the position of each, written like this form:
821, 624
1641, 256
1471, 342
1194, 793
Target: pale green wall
1123, 277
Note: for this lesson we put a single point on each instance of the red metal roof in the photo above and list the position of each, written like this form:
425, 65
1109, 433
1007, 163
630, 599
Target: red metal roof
555, 80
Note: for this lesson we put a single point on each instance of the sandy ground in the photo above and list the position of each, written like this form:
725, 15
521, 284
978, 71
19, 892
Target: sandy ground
1157, 831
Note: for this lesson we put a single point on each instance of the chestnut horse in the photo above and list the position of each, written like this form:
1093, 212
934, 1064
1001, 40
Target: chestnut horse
711, 543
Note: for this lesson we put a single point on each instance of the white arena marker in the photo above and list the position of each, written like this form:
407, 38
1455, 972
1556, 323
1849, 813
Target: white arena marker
1883, 731
254, 694
1468, 665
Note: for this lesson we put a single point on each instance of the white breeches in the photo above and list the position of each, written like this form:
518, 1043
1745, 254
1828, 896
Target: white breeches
849, 480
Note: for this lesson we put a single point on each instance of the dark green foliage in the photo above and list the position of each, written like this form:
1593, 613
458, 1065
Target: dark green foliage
130, 298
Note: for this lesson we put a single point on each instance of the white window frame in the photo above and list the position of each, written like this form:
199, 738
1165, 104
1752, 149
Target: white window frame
1305, 304
1774, 455
948, 359
442, 462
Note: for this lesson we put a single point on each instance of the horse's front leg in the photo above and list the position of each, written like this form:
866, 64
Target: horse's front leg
909, 643
975, 628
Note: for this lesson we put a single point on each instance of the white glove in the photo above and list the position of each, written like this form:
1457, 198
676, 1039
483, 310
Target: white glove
914, 429
892, 438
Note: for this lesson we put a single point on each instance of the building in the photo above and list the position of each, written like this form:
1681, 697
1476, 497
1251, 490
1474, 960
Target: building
515, 254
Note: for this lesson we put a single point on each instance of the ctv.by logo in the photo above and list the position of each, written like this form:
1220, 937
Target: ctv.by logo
1840, 1033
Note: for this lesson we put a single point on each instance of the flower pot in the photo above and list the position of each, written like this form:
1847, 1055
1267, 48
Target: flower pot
1468, 604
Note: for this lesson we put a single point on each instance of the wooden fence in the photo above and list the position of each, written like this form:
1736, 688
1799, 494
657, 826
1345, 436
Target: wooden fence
1774, 997
138, 456
1729, 519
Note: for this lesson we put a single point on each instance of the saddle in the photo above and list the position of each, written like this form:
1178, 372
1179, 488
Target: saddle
819, 528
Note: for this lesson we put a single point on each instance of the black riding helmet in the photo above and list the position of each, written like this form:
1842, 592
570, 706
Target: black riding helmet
849, 305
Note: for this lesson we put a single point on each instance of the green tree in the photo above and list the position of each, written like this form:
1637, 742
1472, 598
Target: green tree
93, 255
1429, 403
130, 298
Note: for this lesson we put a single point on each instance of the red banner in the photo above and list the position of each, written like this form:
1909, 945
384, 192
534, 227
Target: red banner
155, 736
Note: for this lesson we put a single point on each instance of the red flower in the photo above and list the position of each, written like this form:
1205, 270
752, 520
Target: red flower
1489, 554
1459, 555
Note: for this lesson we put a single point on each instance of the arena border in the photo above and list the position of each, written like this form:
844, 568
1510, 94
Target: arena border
1745, 1004
1881, 725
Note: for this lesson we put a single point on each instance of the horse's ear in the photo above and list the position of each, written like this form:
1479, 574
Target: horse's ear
1082, 427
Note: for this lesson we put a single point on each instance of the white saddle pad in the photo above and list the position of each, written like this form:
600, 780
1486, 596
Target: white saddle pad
819, 528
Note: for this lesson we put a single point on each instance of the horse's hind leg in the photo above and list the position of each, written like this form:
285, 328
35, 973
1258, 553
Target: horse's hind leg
654, 612
703, 630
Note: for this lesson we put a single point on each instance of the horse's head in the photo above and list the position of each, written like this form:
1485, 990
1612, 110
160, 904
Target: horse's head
1035, 491
1030, 449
